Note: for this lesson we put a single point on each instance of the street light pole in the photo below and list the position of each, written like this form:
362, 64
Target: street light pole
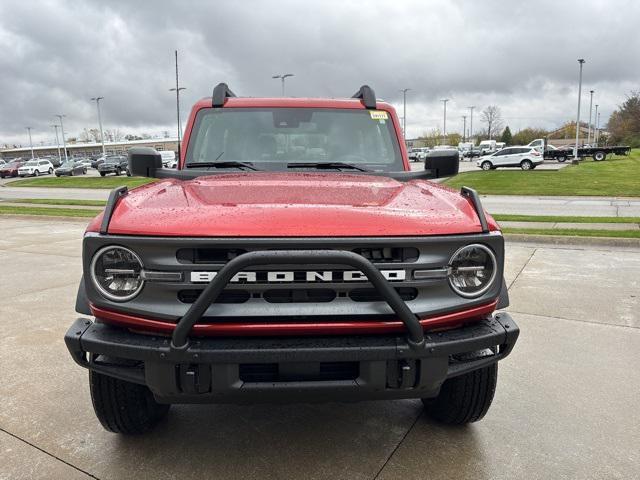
598, 127
282, 77
575, 151
64, 141
30, 142
595, 131
177, 89
444, 123
404, 111
471, 123
589, 126
97, 100
464, 128
57, 142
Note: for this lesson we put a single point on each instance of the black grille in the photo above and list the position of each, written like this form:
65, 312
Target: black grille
372, 295
208, 255
227, 296
309, 372
388, 254
320, 295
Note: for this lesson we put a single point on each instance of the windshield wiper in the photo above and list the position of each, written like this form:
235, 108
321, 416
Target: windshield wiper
226, 164
331, 165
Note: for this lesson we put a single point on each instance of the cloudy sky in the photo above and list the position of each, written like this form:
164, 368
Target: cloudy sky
519, 55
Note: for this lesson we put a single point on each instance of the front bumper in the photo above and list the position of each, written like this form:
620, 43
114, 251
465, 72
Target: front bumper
290, 369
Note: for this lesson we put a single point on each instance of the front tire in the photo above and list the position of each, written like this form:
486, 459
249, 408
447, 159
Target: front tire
562, 159
36, 173
124, 407
526, 164
102, 174
50, 171
464, 399
599, 156
486, 166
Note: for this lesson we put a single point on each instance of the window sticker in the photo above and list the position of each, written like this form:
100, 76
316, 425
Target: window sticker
378, 115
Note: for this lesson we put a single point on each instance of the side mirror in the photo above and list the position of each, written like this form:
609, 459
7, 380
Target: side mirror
442, 163
144, 162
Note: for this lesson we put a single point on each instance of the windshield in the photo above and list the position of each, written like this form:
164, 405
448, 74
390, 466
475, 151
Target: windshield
273, 139
31, 164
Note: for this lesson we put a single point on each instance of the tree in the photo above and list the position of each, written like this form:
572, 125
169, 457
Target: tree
492, 117
527, 135
624, 123
506, 137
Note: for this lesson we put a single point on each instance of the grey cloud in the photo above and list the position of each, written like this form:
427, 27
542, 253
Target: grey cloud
518, 55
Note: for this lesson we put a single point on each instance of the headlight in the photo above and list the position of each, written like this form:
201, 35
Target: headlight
116, 273
472, 270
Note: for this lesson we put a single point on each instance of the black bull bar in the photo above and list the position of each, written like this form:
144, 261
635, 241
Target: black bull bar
415, 333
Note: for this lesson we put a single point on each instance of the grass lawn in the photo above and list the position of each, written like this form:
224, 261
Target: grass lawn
80, 182
59, 201
616, 176
575, 232
52, 212
567, 219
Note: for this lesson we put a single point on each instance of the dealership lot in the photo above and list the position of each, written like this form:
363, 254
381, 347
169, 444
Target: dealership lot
566, 404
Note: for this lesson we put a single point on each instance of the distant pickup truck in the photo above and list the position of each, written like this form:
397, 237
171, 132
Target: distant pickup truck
562, 154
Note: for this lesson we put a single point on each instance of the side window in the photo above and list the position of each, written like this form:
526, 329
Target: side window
503, 152
43, 162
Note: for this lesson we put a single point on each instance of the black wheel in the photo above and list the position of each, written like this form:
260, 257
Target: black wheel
562, 159
464, 399
526, 164
71, 173
599, 156
128, 173
84, 171
102, 174
36, 173
50, 170
124, 407
486, 165
118, 172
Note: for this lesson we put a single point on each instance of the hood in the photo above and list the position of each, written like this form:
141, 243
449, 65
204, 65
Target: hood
285, 204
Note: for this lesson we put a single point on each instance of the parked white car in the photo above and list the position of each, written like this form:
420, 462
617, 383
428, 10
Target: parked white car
35, 168
168, 157
527, 158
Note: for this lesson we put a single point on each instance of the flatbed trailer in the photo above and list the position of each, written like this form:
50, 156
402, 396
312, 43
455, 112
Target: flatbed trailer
598, 153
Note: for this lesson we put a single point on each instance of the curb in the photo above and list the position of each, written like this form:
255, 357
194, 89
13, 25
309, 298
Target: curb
56, 218
569, 240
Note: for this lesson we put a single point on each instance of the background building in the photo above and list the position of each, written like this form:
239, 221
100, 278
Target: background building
85, 149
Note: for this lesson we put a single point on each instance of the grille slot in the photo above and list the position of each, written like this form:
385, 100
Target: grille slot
208, 255
372, 295
227, 296
311, 295
388, 254
274, 372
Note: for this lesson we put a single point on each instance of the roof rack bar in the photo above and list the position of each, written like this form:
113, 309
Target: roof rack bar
114, 196
475, 201
220, 93
367, 95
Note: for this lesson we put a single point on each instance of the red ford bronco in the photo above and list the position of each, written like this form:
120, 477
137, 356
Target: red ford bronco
292, 256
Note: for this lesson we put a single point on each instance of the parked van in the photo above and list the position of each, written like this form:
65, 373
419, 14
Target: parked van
487, 146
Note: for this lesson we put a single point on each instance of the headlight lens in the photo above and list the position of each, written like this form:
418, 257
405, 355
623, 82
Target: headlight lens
472, 270
116, 273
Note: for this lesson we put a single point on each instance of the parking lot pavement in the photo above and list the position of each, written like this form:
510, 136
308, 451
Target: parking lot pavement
565, 406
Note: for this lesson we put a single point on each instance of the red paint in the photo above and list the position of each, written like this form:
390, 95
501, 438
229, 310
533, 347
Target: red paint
449, 320
283, 204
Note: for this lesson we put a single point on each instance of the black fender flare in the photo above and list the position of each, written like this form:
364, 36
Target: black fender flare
82, 301
503, 299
